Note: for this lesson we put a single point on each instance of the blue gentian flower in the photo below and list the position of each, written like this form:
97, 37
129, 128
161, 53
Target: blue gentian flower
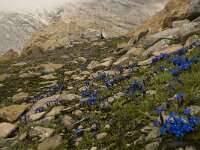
187, 111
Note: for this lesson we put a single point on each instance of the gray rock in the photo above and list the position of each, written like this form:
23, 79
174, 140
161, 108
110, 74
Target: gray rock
48, 77
6, 129
40, 133
67, 121
55, 111
140, 140
155, 133
29, 75
194, 10
122, 61
47, 71
166, 34
152, 146
37, 116
6, 142
51, 144
92, 34
189, 30
4, 77
101, 136
180, 23
145, 63
68, 98
93, 65
194, 110
20, 97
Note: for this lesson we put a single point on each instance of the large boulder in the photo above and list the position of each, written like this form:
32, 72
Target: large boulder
180, 23
189, 30
194, 10
12, 113
92, 34
166, 34
6, 129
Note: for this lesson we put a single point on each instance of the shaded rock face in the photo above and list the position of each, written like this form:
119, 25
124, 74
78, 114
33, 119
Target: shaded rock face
193, 10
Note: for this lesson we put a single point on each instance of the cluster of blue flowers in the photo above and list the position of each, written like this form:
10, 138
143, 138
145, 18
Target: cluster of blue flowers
120, 69
110, 83
160, 57
182, 63
176, 124
24, 118
135, 86
101, 76
39, 109
92, 100
53, 90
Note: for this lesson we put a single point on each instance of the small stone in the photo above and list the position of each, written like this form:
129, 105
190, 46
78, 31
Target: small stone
145, 63
155, 133
50, 144
140, 140
4, 77
93, 148
152, 146
101, 136
67, 121
122, 61
77, 112
194, 109
48, 77
152, 92
107, 126
40, 133
23, 136
6, 129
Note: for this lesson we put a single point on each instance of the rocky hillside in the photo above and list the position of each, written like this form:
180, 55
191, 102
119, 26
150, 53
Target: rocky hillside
139, 92
112, 17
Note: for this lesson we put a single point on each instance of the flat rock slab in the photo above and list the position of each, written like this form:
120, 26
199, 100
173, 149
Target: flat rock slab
37, 116
168, 50
11, 113
51, 143
40, 133
20, 97
55, 111
51, 65
6, 129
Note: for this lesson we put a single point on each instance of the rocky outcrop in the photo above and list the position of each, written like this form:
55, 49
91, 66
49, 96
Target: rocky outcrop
10, 54
174, 10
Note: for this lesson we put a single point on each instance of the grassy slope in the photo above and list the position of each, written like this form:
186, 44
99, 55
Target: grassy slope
130, 117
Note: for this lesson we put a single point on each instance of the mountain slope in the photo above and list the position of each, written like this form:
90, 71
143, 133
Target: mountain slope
113, 17
17, 27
